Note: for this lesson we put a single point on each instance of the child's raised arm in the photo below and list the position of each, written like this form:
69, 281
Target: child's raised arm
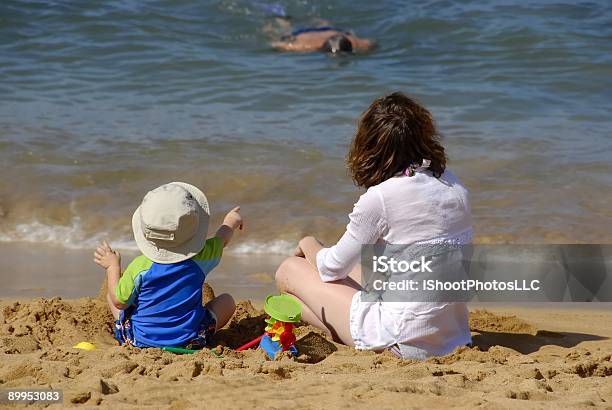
232, 220
110, 260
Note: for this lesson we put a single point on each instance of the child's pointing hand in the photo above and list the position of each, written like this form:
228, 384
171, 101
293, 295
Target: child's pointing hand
233, 219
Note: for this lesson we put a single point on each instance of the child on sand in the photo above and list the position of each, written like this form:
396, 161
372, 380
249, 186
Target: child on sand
157, 302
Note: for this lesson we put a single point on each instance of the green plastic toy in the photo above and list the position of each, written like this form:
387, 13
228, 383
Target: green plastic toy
283, 308
180, 350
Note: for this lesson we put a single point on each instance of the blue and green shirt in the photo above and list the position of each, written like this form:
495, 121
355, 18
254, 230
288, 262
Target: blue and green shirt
166, 299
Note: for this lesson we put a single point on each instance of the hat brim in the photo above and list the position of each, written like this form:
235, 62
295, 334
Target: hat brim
184, 251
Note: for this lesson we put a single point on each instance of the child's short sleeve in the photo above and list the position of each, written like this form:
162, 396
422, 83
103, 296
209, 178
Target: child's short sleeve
129, 285
210, 256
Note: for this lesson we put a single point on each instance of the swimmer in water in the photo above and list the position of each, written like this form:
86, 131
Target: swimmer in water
324, 38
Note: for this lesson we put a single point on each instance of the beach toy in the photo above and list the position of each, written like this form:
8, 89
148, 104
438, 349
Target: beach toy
250, 344
180, 350
85, 346
283, 311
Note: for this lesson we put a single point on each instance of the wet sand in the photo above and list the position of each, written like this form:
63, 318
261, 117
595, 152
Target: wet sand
44, 270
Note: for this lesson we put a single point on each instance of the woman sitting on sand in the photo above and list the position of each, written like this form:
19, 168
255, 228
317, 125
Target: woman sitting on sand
411, 198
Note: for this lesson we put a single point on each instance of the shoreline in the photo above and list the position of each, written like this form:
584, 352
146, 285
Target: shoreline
70, 273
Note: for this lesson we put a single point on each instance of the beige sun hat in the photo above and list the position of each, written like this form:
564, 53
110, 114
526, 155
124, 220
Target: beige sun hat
171, 223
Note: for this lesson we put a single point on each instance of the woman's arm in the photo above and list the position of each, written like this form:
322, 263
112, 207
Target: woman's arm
366, 226
308, 248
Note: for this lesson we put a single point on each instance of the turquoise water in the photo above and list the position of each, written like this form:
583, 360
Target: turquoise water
102, 100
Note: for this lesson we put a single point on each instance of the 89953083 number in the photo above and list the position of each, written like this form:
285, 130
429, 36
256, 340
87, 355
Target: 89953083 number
30, 396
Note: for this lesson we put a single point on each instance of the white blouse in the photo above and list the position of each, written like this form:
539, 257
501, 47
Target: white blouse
404, 210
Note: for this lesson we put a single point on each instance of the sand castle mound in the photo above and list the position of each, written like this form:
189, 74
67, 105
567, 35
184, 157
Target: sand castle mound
47, 323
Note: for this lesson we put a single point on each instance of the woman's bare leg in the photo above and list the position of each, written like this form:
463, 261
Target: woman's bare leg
355, 275
325, 304
309, 317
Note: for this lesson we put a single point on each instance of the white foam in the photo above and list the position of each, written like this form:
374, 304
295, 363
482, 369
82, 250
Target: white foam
72, 237
69, 236
280, 247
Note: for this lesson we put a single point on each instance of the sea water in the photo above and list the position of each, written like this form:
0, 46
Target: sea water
104, 100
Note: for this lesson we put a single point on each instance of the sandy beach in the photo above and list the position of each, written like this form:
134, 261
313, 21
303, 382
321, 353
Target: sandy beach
103, 101
521, 358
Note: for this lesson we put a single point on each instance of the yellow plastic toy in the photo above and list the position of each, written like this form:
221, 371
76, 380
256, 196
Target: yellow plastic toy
85, 346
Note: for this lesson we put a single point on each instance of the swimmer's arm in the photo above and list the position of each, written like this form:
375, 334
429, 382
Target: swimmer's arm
281, 45
293, 46
284, 23
363, 44
280, 26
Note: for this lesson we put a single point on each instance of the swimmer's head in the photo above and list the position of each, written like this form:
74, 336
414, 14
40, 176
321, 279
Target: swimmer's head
338, 43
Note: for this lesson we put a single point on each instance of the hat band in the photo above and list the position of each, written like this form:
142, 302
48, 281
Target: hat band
159, 235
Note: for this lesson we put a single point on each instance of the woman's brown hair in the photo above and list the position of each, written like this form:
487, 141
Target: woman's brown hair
394, 134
